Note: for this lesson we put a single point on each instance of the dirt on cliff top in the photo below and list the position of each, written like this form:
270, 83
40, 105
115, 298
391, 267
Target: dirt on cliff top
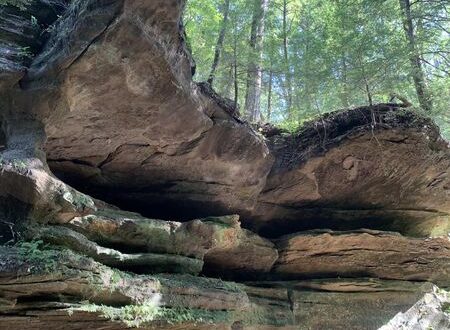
317, 136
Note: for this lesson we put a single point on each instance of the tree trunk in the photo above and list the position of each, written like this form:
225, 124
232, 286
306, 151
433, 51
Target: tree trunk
236, 85
254, 75
269, 96
414, 58
368, 93
235, 66
220, 40
288, 82
366, 83
345, 99
228, 90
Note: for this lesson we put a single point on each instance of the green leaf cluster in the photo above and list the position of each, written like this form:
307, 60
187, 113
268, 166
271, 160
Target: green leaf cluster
137, 315
17, 3
38, 255
340, 54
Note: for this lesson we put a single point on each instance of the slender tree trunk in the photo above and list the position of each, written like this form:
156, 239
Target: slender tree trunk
288, 82
269, 96
220, 40
235, 65
236, 84
418, 74
254, 75
368, 93
345, 94
229, 83
366, 82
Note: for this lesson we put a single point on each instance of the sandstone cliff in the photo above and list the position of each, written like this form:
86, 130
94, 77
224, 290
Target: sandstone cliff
139, 198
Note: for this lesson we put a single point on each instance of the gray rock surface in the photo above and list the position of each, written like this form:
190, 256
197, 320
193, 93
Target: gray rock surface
430, 312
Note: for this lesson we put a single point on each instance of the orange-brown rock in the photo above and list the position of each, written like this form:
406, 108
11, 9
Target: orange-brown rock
107, 103
340, 173
131, 242
122, 121
363, 254
125, 104
84, 293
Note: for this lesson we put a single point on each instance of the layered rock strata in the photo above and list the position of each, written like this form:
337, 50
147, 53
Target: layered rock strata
340, 225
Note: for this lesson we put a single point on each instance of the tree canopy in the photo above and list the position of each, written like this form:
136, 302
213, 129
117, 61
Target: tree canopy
317, 56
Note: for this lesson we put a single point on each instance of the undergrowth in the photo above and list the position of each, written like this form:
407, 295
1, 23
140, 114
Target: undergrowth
446, 308
16, 3
134, 316
39, 255
17, 165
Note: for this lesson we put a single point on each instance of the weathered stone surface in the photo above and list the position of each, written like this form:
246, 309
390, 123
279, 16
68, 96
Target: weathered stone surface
353, 304
109, 102
349, 311
27, 188
193, 238
136, 262
130, 242
21, 37
113, 89
430, 312
125, 104
250, 255
24, 279
365, 253
33, 294
338, 173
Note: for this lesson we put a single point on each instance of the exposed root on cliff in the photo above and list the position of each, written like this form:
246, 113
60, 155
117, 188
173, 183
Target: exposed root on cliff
320, 135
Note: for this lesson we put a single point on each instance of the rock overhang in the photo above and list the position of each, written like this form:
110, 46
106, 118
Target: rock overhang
108, 128
125, 122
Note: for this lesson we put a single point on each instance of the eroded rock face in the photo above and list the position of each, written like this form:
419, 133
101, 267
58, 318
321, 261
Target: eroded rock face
126, 105
124, 122
33, 294
130, 242
80, 278
108, 101
431, 312
364, 254
337, 173
22, 37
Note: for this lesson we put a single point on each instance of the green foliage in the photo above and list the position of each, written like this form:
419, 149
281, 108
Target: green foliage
134, 316
25, 53
38, 255
195, 316
16, 164
446, 308
340, 54
116, 278
17, 3
81, 200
